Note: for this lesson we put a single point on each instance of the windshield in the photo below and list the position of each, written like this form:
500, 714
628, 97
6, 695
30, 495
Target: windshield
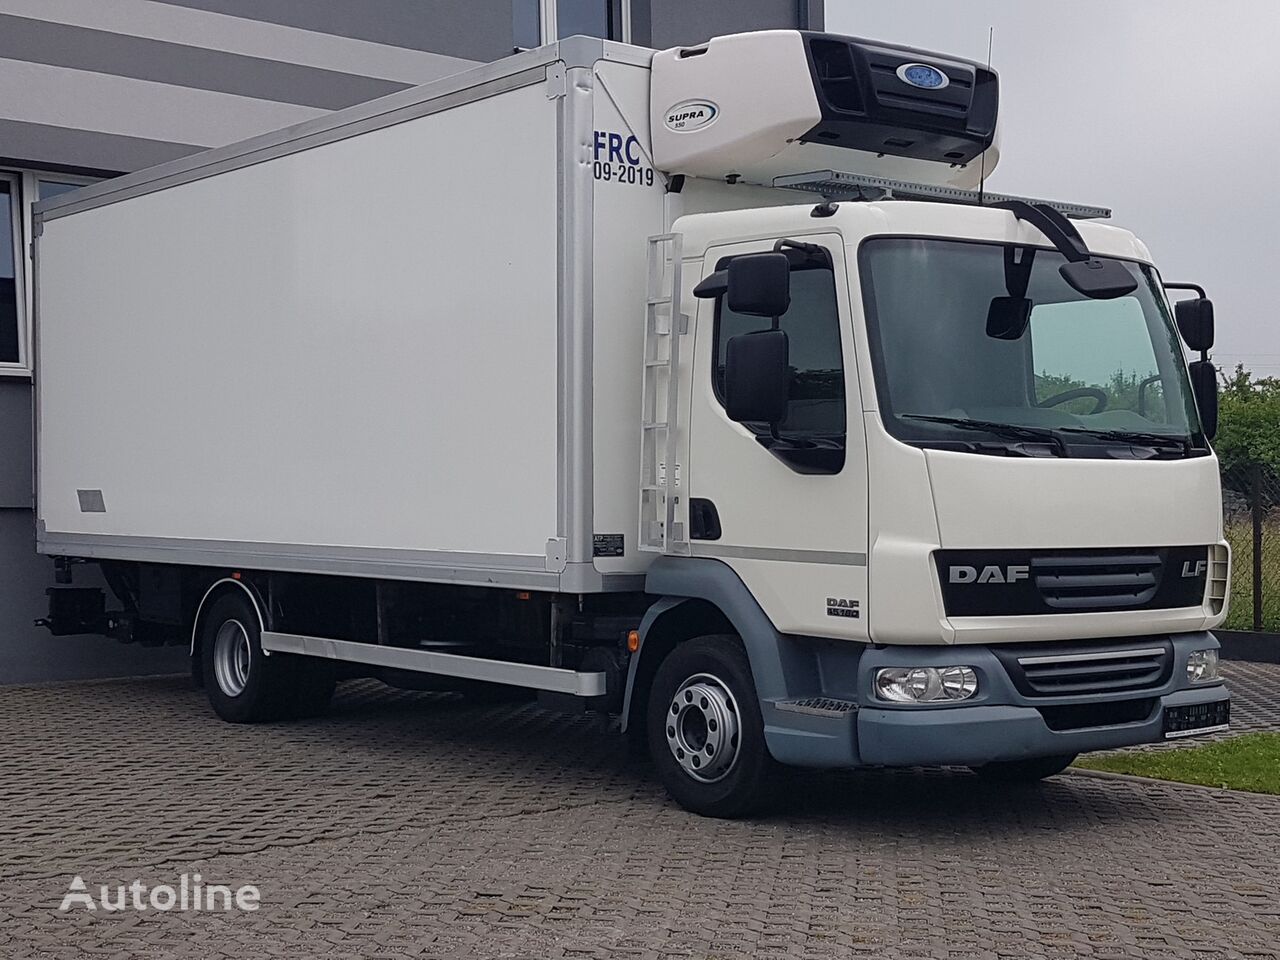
1043, 359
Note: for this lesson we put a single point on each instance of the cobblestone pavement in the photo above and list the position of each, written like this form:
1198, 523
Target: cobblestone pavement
1255, 695
417, 825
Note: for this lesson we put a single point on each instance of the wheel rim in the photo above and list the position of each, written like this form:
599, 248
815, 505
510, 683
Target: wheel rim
231, 657
702, 728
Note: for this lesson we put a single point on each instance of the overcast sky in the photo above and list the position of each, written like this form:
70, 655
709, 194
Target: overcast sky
1167, 111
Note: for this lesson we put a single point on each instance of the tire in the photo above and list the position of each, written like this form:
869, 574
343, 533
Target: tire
702, 691
1024, 771
246, 686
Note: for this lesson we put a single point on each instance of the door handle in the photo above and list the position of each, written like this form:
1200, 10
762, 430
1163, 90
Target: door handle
704, 519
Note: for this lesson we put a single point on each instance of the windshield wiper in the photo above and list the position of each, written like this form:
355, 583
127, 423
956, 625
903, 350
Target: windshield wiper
1014, 430
1136, 436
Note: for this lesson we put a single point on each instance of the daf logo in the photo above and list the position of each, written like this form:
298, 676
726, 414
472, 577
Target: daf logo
691, 115
923, 76
1195, 569
1011, 574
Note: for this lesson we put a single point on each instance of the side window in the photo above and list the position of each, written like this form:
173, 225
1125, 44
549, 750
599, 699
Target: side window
816, 410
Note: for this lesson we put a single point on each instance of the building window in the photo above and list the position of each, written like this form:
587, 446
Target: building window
535, 22
19, 189
526, 24
56, 188
12, 295
590, 18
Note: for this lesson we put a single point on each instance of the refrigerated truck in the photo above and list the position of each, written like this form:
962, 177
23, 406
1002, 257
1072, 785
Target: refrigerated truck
708, 388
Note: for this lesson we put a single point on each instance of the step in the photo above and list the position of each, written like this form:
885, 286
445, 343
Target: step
529, 675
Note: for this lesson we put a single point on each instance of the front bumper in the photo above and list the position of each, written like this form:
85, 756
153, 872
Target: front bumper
1000, 724
977, 735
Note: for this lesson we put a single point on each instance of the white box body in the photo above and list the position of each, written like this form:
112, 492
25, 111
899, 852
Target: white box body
402, 341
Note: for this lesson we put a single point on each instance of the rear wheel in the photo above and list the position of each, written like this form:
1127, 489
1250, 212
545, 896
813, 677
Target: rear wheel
245, 685
706, 734
1025, 771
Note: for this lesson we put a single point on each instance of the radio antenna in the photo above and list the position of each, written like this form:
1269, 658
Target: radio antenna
982, 175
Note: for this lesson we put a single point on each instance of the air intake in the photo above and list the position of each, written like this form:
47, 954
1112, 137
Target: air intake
1075, 669
1110, 581
900, 101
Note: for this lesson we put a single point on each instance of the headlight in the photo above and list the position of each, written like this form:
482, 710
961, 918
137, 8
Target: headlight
925, 684
1202, 666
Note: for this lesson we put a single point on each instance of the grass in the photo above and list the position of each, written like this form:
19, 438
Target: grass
1240, 536
1250, 762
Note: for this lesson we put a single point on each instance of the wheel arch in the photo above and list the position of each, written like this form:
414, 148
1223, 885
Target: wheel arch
218, 588
699, 596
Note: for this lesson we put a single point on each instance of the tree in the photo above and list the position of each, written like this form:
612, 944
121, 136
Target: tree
1249, 421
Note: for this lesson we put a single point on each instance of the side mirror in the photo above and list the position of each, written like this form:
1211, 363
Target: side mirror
759, 284
1204, 384
1195, 322
757, 377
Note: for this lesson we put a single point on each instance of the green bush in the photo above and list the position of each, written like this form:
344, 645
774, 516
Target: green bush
1248, 446
1249, 423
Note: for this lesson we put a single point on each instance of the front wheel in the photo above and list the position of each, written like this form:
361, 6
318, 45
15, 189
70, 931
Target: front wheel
706, 734
1025, 771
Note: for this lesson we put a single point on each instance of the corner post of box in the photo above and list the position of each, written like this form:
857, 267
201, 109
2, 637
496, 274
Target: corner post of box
575, 121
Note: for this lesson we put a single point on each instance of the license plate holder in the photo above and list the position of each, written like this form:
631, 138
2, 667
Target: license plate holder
1196, 718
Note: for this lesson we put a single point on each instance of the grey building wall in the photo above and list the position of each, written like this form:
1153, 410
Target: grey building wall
119, 85
102, 87
669, 23
108, 87
28, 653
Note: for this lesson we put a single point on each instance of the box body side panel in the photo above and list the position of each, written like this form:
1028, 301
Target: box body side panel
353, 347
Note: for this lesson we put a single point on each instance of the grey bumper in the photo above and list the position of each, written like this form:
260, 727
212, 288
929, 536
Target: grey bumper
999, 724
977, 735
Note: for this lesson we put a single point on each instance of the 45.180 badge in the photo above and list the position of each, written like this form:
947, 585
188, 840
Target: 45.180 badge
840, 607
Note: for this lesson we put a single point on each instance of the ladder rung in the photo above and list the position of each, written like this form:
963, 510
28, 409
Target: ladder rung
653, 426
658, 301
657, 363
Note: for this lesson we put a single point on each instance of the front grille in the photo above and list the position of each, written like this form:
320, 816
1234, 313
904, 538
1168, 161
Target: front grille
1103, 580
1081, 716
1009, 583
1070, 670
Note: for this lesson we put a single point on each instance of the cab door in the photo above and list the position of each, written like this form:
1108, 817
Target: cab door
788, 513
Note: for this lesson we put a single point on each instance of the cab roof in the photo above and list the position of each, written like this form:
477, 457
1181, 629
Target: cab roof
856, 221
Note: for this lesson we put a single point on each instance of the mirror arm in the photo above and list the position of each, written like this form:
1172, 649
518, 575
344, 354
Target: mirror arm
773, 426
810, 248
1058, 229
812, 251
1199, 290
